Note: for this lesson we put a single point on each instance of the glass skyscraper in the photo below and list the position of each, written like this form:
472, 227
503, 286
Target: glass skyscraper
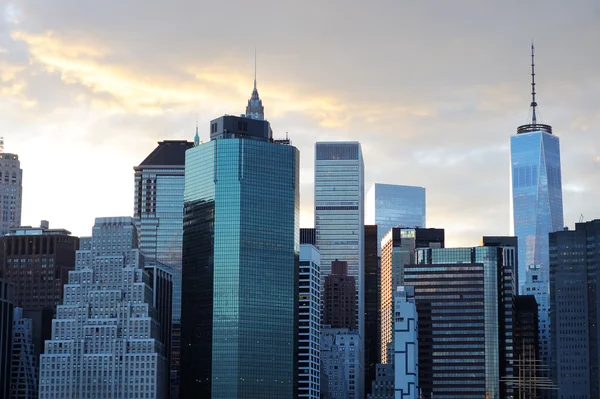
158, 213
240, 264
390, 205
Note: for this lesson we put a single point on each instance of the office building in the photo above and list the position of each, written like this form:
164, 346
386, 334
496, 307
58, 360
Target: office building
406, 344
372, 339
158, 213
538, 285
397, 250
339, 297
24, 370
309, 329
36, 261
6, 324
382, 386
105, 337
308, 236
391, 205
536, 189
240, 264
341, 356
574, 304
463, 347
11, 189
339, 212
526, 355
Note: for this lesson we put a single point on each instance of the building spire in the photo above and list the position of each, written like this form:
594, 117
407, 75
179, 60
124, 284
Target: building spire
254, 68
533, 103
255, 109
197, 136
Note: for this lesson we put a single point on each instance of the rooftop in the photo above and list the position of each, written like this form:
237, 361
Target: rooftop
168, 153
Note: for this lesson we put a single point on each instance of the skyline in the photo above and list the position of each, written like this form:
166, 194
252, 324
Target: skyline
450, 100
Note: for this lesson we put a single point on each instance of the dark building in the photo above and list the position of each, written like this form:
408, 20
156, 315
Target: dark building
158, 213
506, 241
239, 313
339, 297
526, 340
6, 330
37, 261
308, 236
161, 282
459, 295
372, 337
575, 310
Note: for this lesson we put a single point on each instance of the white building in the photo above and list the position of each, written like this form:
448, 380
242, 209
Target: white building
341, 347
11, 178
24, 372
309, 334
104, 338
406, 346
538, 286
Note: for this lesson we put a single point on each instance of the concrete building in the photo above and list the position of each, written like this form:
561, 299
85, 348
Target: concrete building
406, 344
391, 205
24, 370
11, 189
105, 338
383, 383
341, 356
339, 297
309, 330
6, 325
574, 304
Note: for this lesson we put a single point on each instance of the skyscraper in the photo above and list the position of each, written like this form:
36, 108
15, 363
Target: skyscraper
309, 329
339, 211
240, 264
372, 338
406, 344
11, 179
575, 310
536, 188
6, 324
105, 335
460, 296
341, 357
158, 213
537, 284
24, 371
391, 205
339, 297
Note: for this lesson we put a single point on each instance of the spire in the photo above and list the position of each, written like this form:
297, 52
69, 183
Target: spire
197, 136
533, 103
255, 109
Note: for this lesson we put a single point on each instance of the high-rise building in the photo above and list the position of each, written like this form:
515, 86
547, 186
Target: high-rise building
397, 250
526, 354
24, 371
575, 310
391, 205
341, 360
105, 338
308, 236
460, 299
372, 338
36, 261
538, 285
339, 297
536, 189
11, 189
309, 329
339, 211
158, 213
406, 344
382, 386
6, 324
239, 311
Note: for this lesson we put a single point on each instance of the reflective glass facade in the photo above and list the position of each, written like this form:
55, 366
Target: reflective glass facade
240, 270
390, 205
536, 194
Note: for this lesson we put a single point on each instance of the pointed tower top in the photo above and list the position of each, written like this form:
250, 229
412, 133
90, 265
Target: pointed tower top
255, 109
254, 68
197, 136
533, 103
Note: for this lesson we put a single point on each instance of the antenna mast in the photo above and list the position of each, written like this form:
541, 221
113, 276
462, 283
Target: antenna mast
533, 103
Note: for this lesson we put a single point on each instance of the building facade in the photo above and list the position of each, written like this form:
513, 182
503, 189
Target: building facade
339, 211
341, 359
372, 337
406, 344
382, 386
309, 329
460, 294
240, 264
158, 213
24, 370
339, 297
105, 337
538, 285
6, 323
574, 310
11, 189
397, 250
391, 205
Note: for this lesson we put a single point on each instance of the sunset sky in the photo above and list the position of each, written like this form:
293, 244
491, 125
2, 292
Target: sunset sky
432, 89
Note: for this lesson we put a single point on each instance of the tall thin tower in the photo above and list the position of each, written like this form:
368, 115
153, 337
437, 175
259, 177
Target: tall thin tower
11, 177
536, 198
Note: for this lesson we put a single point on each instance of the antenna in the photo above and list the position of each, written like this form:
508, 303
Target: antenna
254, 67
533, 103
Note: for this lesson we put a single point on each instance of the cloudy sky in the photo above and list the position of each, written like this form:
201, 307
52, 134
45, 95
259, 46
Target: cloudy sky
432, 89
